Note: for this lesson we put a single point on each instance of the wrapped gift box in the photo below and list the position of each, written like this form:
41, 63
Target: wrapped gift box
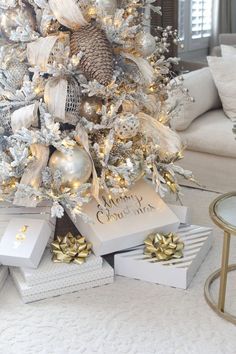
3, 275
124, 221
50, 271
24, 242
176, 273
182, 213
69, 284
43, 212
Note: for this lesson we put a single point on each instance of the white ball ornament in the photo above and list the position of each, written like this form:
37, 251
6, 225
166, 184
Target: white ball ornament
145, 44
127, 126
76, 167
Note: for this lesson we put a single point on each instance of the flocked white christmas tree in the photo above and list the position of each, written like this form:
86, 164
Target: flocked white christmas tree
84, 89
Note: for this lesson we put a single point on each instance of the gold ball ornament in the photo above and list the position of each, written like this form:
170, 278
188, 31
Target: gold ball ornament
145, 44
130, 106
19, 16
127, 126
91, 109
108, 6
76, 167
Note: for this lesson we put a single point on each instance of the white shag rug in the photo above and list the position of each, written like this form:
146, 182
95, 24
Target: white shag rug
128, 316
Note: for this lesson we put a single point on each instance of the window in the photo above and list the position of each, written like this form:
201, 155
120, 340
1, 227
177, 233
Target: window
195, 23
201, 15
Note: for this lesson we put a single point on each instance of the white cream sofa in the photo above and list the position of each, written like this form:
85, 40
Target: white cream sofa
207, 133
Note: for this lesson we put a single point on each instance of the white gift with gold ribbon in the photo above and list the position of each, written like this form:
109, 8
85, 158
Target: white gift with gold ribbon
23, 242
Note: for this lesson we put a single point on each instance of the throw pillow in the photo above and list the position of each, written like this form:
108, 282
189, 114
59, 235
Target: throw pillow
201, 87
224, 73
228, 50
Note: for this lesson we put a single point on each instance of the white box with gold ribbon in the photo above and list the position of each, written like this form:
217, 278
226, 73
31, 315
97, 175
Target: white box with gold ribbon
177, 273
121, 222
24, 241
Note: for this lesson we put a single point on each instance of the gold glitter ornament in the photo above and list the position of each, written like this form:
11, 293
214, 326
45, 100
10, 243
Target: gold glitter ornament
76, 167
10, 19
97, 59
91, 109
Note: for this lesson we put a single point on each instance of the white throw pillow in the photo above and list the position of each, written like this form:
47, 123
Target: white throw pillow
228, 50
202, 88
224, 73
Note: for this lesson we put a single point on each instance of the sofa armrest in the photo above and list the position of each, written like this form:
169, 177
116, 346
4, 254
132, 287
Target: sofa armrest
201, 87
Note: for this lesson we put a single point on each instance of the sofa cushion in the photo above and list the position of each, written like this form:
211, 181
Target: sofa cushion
211, 133
228, 50
224, 74
202, 88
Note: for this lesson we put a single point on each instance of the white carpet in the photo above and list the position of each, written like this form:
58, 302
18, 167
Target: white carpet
128, 316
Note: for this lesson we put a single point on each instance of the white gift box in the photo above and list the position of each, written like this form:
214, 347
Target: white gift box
50, 271
182, 213
177, 273
24, 248
90, 279
124, 221
42, 211
3, 275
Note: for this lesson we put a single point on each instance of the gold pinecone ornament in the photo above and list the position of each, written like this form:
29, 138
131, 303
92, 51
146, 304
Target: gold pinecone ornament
97, 60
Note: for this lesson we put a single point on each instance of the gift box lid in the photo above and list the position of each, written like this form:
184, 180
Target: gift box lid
121, 222
24, 242
48, 270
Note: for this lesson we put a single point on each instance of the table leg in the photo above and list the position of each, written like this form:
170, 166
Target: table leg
224, 271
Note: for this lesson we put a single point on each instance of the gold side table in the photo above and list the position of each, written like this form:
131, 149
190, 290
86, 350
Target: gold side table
223, 213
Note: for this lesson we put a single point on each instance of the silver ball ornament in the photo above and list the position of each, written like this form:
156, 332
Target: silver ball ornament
91, 109
127, 126
76, 167
12, 18
108, 6
145, 44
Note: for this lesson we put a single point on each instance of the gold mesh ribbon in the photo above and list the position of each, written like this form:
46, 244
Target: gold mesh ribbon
163, 247
68, 249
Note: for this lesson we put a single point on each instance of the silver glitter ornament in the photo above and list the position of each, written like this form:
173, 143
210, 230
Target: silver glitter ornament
108, 6
15, 72
145, 44
5, 122
127, 126
76, 167
91, 109
19, 16
73, 99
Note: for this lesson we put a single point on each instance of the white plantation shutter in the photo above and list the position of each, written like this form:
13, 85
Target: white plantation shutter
201, 18
182, 14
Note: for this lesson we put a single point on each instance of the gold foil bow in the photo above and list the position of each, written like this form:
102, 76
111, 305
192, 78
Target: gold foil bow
68, 249
163, 247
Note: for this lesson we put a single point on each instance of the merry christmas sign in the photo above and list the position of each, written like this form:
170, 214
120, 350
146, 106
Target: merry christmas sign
124, 221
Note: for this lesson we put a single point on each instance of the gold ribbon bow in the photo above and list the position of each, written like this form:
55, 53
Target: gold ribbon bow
163, 247
68, 249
